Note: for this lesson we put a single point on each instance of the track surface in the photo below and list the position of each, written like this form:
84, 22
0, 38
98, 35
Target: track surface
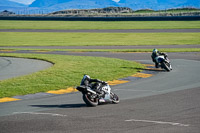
14, 67
166, 102
162, 103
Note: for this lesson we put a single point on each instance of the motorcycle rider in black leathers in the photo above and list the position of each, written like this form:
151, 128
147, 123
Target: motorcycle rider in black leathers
87, 81
155, 54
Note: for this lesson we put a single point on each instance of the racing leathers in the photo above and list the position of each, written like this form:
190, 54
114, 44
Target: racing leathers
94, 84
156, 54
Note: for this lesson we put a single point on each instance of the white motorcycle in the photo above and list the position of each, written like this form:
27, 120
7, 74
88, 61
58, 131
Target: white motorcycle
164, 62
92, 98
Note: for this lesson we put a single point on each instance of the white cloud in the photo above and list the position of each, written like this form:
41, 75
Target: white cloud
23, 1
30, 1
116, 0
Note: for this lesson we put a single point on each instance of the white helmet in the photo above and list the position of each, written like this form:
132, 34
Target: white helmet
155, 51
86, 77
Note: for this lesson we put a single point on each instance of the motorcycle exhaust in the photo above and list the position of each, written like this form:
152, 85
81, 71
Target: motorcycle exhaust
91, 91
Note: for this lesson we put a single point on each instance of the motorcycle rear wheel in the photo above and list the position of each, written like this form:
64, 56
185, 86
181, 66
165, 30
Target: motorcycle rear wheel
91, 102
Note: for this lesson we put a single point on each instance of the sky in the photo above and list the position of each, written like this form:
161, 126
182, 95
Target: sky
23, 1
30, 1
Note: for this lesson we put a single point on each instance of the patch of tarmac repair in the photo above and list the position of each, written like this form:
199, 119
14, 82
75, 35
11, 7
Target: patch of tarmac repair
146, 73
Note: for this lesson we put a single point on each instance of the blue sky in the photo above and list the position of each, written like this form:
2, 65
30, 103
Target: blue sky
30, 1
23, 1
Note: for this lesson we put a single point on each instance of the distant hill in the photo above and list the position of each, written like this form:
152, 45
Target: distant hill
73, 4
195, 3
159, 4
134, 4
9, 5
5, 12
46, 3
139, 4
49, 6
106, 10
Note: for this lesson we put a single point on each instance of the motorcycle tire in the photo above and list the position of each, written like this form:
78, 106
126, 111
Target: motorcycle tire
166, 66
115, 99
91, 102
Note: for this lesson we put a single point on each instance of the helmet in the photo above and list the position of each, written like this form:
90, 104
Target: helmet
155, 51
86, 77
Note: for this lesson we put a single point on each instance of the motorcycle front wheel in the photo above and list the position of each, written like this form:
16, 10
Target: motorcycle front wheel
114, 98
90, 100
166, 66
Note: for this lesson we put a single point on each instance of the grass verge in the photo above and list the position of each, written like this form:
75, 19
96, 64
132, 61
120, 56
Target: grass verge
100, 50
96, 39
66, 72
4, 24
132, 50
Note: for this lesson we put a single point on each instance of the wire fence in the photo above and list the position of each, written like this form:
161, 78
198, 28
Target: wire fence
100, 12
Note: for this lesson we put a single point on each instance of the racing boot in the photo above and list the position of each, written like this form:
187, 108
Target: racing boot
156, 65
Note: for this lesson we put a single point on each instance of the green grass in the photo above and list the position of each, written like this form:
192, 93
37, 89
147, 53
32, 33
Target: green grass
96, 39
122, 50
4, 24
66, 72
102, 50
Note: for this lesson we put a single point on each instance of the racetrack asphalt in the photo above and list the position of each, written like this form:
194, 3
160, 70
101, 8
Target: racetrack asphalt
166, 102
13, 67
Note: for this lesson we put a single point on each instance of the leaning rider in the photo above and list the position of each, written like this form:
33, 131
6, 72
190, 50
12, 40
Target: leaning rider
155, 54
87, 81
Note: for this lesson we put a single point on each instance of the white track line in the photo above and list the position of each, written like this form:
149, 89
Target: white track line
159, 122
34, 113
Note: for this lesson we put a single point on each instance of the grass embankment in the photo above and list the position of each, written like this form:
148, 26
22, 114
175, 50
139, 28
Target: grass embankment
66, 72
99, 24
96, 39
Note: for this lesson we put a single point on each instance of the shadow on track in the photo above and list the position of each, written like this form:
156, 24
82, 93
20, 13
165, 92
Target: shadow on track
154, 70
146, 69
61, 106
